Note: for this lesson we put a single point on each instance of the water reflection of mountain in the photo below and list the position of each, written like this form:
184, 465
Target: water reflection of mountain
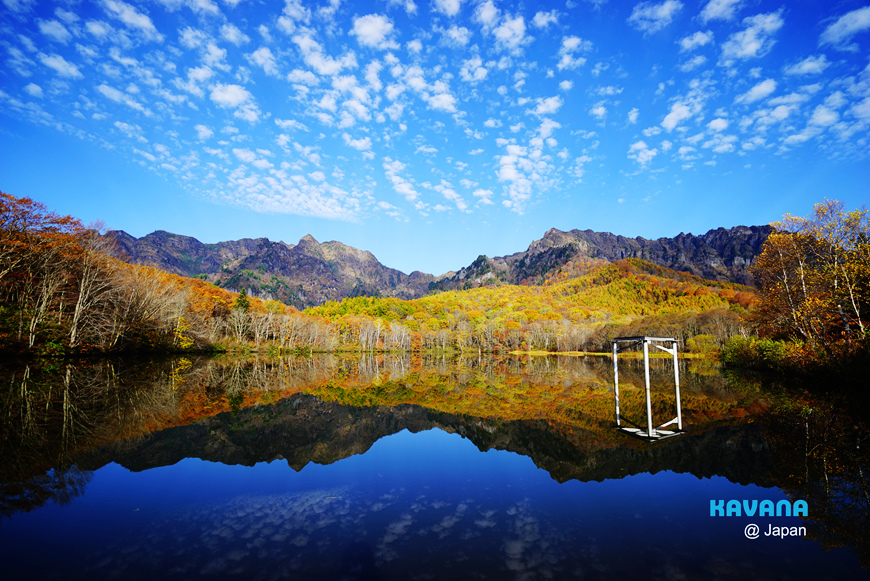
57, 425
303, 429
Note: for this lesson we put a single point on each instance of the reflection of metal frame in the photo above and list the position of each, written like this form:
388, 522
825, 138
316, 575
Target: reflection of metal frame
651, 434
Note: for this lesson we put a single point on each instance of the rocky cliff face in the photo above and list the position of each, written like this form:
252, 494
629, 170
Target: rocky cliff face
309, 273
301, 275
722, 254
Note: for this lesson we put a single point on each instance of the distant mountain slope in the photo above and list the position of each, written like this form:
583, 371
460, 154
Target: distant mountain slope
301, 275
721, 254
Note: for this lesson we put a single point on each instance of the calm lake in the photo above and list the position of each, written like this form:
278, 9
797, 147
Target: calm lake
409, 467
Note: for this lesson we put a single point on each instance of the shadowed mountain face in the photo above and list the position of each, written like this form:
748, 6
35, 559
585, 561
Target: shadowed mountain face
309, 273
300, 275
723, 255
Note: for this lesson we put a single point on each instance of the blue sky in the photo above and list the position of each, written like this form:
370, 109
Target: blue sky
430, 132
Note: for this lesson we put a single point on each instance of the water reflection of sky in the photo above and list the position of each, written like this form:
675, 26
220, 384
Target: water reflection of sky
415, 506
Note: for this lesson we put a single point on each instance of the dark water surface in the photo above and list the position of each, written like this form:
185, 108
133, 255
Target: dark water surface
409, 468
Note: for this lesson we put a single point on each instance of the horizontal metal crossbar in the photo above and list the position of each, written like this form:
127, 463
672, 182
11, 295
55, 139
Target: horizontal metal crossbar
642, 338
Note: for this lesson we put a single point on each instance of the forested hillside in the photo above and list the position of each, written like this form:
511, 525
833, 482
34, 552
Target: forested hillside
574, 314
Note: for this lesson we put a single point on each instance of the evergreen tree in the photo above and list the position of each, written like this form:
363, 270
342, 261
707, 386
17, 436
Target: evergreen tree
242, 303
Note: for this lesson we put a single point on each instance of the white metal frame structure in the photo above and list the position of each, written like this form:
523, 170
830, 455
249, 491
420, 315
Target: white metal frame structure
650, 434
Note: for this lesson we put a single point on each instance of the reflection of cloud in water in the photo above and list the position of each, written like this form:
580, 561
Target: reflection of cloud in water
487, 521
340, 533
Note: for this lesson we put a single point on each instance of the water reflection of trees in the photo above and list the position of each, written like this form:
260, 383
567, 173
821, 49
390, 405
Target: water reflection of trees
821, 439
49, 417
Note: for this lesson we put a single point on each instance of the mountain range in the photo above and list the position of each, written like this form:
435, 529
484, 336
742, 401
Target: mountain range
310, 273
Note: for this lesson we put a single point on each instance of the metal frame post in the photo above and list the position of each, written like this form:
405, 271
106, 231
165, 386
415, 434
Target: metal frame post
616, 381
646, 381
677, 388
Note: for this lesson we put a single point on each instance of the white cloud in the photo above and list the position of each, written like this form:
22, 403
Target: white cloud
231, 33
755, 40
679, 112
487, 14
264, 58
290, 125
641, 153
98, 28
301, 77
323, 64
608, 91
632, 115
229, 95
472, 70
484, 196
758, 92
195, 76
55, 30
293, 12
823, 117
245, 155
203, 132
363, 144
457, 35
570, 46
649, 18
796, 139
446, 190
192, 38
718, 124
545, 19
599, 111
839, 33
694, 41
134, 132
443, 102
132, 19
720, 10
374, 31
117, 96
448, 7
61, 66
19, 6
720, 143
409, 5
511, 34
402, 186
548, 106
33, 90
693, 64
812, 65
